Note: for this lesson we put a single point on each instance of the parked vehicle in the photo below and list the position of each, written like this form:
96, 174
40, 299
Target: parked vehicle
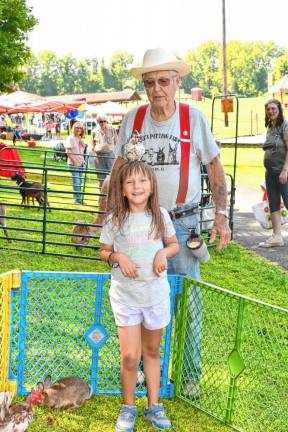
89, 124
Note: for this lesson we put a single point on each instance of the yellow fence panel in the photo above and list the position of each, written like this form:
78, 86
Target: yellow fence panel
8, 281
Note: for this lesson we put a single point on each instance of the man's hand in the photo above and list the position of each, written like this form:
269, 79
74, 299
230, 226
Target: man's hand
221, 228
283, 177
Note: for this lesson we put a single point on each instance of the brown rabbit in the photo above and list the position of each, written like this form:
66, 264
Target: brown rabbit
79, 230
69, 391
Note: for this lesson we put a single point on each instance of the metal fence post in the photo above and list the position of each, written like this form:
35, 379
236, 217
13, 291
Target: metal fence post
44, 165
44, 213
180, 325
235, 362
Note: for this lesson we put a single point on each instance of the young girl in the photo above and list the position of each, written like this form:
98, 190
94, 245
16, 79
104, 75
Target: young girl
136, 240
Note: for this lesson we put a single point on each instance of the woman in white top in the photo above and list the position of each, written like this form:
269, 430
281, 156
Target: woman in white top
75, 148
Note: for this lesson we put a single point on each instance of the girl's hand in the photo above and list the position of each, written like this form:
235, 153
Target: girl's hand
160, 262
127, 266
283, 177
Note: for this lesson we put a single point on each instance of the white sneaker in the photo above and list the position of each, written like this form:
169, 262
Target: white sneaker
274, 241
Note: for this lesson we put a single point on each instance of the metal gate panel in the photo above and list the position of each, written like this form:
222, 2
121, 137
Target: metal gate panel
243, 350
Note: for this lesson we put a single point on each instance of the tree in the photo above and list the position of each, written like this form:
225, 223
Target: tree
248, 66
119, 66
49, 75
280, 67
204, 62
16, 21
107, 77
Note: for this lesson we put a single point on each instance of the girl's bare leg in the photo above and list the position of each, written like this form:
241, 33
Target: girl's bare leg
151, 357
130, 347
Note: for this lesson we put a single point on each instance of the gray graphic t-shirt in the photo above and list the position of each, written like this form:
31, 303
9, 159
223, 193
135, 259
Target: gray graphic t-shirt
137, 241
163, 152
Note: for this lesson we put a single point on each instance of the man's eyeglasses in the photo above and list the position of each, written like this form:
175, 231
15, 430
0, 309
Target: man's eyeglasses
162, 82
102, 121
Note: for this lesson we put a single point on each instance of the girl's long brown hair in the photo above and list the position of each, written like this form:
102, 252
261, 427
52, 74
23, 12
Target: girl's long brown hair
121, 208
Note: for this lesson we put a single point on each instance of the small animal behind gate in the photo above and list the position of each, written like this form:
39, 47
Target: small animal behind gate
69, 391
3, 221
30, 189
59, 152
79, 233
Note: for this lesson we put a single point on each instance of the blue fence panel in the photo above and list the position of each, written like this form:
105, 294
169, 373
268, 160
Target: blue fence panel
66, 327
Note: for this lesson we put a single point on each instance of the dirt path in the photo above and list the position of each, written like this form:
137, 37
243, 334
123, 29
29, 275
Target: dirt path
249, 233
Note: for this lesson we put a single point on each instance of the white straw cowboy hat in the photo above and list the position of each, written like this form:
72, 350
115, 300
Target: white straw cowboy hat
159, 60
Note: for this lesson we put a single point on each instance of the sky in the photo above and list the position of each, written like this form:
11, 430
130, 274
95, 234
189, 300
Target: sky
97, 28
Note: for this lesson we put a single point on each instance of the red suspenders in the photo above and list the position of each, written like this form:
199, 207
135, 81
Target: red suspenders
139, 118
185, 145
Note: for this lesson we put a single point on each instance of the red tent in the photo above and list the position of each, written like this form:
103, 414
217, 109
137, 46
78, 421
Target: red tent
45, 105
10, 161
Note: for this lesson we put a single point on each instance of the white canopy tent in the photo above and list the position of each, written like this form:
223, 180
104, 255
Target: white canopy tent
110, 109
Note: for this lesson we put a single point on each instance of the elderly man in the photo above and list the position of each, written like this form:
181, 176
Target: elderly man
177, 139
167, 152
103, 141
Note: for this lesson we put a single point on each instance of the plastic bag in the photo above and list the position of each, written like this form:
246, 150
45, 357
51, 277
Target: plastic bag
262, 214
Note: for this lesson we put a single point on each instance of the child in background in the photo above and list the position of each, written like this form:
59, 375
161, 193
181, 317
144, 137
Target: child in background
136, 240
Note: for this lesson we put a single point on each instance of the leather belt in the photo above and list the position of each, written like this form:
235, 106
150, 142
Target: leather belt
177, 214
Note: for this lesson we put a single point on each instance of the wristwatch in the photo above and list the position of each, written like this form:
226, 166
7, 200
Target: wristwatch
223, 213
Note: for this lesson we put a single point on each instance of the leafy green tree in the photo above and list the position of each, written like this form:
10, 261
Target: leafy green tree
248, 66
280, 67
50, 75
30, 81
41, 74
107, 77
16, 21
204, 62
120, 64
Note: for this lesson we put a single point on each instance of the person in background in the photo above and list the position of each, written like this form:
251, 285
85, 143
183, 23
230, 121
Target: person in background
48, 127
276, 165
57, 125
103, 141
2, 122
137, 239
75, 149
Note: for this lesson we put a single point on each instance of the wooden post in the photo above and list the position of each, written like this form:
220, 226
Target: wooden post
225, 86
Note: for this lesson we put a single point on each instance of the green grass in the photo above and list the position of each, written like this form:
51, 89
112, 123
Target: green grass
100, 414
249, 165
251, 116
239, 270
